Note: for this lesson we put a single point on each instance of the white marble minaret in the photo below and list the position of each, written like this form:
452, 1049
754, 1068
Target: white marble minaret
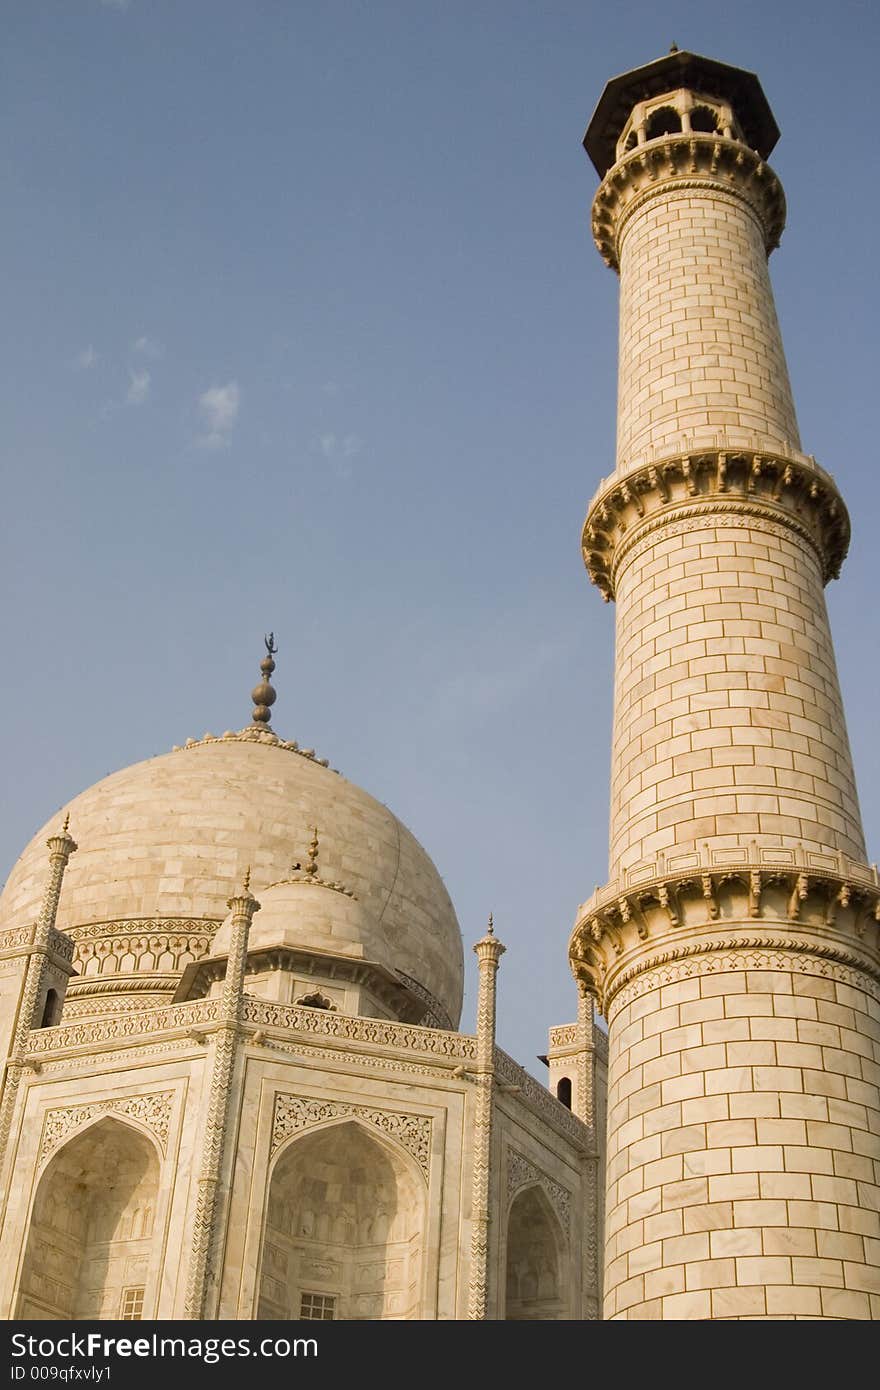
734, 950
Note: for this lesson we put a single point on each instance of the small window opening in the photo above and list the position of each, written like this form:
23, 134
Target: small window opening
317, 1307
631, 141
666, 121
49, 1009
563, 1091
132, 1309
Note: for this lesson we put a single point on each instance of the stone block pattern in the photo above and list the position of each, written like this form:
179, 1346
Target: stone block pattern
701, 353
743, 1174
729, 723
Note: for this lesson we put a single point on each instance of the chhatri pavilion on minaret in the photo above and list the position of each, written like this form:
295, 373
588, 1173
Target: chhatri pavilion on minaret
734, 948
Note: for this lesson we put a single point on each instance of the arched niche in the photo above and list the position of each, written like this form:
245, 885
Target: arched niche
344, 1231
536, 1283
87, 1255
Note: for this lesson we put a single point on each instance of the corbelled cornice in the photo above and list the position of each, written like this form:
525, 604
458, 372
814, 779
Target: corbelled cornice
794, 492
745, 902
685, 162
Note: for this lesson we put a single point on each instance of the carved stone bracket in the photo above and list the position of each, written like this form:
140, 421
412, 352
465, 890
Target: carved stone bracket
153, 1111
687, 161
706, 905
796, 493
521, 1173
295, 1113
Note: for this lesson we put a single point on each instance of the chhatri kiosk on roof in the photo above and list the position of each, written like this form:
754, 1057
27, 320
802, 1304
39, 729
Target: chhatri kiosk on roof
230, 1009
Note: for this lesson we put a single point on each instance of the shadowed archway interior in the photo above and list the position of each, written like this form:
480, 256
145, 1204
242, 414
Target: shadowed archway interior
535, 1281
88, 1245
344, 1230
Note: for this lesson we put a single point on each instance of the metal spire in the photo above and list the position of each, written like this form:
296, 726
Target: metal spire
263, 695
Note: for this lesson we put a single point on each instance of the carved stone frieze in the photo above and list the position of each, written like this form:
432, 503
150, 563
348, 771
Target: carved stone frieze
566, 1035
153, 1111
305, 1051
684, 163
87, 1005
293, 1114
745, 489
128, 1026
140, 946
521, 1172
346, 1027
143, 926
668, 967
14, 938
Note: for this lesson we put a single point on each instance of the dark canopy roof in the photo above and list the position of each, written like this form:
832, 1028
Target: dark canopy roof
679, 69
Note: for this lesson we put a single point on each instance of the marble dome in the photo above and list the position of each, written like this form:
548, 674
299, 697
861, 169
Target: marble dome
170, 838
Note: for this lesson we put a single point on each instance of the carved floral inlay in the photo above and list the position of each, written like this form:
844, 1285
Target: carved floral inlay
522, 1173
153, 1111
295, 1113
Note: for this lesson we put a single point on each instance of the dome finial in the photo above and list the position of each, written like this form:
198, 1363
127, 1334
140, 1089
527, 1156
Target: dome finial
673, 47
491, 927
263, 695
312, 866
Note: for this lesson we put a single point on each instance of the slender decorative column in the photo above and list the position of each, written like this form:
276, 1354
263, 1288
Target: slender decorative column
586, 1110
489, 951
203, 1281
61, 847
585, 1090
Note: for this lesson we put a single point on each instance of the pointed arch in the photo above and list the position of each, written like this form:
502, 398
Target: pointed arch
343, 1233
536, 1263
89, 1238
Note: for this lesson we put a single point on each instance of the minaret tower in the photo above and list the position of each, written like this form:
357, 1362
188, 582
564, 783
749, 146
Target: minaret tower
734, 950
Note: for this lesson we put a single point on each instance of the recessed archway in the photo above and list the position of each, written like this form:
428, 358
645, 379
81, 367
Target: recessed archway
88, 1243
535, 1276
344, 1230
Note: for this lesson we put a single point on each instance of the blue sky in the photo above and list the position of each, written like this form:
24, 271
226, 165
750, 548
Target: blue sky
304, 330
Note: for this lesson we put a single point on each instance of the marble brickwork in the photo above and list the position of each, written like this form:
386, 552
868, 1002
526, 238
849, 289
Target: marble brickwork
735, 948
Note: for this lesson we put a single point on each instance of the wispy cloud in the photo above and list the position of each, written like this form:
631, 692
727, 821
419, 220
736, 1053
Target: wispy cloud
84, 360
138, 387
346, 446
147, 347
218, 408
